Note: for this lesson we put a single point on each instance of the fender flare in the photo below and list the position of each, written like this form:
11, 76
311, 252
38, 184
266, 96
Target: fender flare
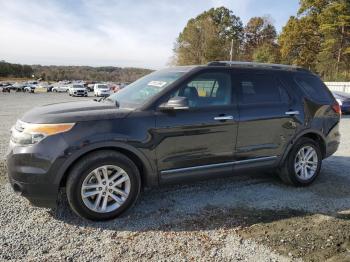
150, 175
297, 137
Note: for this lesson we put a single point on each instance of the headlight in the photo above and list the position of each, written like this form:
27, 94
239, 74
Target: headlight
29, 134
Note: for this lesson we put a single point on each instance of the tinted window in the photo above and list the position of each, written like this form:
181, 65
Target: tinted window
207, 89
313, 87
261, 88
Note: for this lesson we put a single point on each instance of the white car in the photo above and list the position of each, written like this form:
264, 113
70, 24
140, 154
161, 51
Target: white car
78, 90
60, 88
30, 88
101, 90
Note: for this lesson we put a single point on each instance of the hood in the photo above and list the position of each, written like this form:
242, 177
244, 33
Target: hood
70, 112
79, 89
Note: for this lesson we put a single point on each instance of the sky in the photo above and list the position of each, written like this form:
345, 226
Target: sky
126, 33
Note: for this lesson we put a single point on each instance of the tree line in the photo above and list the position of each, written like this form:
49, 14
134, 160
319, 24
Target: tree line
317, 38
56, 73
15, 70
107, 73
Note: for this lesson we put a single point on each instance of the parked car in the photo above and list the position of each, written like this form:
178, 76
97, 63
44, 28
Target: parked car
175, 125
343, 100
30, 88
45, 87
101, 90
5, 87
77, 90
18, 87
90, 85
60, 88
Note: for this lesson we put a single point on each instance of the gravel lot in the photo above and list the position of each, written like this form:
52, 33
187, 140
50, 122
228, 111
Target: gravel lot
250, 217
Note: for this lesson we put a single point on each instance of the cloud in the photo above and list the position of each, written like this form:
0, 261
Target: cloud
87, 32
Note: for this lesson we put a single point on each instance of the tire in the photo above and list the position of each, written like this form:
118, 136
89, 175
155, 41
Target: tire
81, 172
55, 91
288, 172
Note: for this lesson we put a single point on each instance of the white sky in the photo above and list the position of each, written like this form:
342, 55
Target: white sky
136, 33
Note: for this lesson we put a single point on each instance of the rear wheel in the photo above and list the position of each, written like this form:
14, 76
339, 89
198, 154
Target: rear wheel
303, 163
103, 185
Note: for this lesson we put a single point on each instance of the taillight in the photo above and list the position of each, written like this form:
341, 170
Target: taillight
336, 107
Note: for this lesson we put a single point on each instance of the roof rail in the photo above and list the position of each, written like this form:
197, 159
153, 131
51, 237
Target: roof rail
255, 65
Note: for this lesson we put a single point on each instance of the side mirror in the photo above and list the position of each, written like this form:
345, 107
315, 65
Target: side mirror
175, 103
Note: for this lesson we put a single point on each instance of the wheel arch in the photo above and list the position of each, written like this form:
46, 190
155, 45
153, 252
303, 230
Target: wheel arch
315, 135
147, 171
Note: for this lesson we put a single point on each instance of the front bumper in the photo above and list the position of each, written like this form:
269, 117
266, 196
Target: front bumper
40, 195
32, 171
80, 93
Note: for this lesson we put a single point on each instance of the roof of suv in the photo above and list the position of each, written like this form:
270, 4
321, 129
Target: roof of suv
239, 64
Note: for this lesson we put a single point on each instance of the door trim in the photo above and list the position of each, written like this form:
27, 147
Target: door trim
203, 167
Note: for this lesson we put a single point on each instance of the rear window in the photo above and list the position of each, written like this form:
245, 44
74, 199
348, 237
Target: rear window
260, 89
314, 88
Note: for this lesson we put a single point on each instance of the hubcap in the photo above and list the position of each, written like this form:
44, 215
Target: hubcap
105, 189
306, 163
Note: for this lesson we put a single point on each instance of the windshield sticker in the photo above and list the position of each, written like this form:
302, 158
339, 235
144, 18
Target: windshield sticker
157, 83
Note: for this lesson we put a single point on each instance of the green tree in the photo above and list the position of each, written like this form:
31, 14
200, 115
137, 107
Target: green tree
319, 38
267, 53
334, 23
300, 42
208, 37
258, 32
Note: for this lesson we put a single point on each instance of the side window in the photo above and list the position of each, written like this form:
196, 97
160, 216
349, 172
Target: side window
207, 89
313, 87
261, 88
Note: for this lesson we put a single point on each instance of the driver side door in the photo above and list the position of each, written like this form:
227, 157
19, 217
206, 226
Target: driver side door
199, 141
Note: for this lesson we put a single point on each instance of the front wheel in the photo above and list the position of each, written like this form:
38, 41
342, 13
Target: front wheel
303, 163
103, 185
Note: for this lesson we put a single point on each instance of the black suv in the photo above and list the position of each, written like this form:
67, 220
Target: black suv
176, 124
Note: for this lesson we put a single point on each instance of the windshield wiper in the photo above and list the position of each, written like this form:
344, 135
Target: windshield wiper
107, 99
113, 101
99, 99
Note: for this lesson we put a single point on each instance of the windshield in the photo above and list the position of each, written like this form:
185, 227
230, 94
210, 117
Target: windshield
78, 86
139, 92
102, 86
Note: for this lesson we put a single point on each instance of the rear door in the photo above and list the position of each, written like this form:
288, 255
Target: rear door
267, 119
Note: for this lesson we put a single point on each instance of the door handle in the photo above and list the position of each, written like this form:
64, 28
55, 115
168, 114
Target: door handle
292, 113
222, 118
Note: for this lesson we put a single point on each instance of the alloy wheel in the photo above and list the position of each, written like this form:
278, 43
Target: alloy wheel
105, 188
306, 163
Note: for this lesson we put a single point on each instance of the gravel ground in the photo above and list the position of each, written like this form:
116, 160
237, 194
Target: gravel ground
249, 217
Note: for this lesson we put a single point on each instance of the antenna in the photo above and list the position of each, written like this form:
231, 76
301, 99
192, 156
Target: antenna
231, 51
